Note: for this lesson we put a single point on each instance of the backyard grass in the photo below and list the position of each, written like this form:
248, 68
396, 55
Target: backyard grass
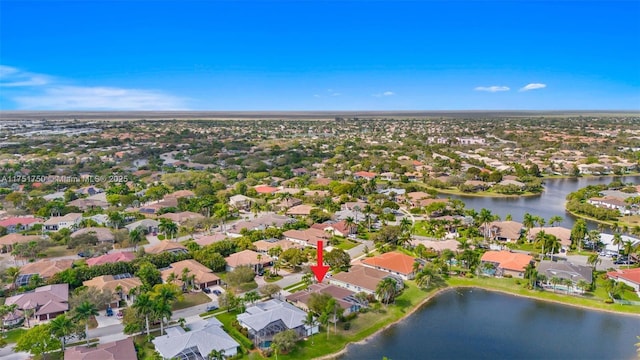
191, 299
227, 318
345, 244
510, 286
58, 251
12, 336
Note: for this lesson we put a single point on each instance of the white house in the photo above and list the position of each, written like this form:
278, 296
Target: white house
69, 221
203, 337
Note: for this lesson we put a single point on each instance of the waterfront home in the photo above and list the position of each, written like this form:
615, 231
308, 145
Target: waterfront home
203, 277
612, 203
630, 277
46, 301
508, 231
203, 337
344, 297
19, 223
561, 233
45, 268
8, 241
505, 263
610, 248
266, 319
111, 258
68, 221
121, 286
360, 279
249, 258
166, 246
566, 271
394, 263
117, 350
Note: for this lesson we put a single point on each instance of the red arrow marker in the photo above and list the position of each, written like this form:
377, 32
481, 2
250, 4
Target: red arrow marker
320, 270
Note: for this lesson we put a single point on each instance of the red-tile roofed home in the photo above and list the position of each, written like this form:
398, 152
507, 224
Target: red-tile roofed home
308, 237
339, 229
394, 263
507, 263
111, 258
20, 223
117, 350
265, 189
247, 258
8, 241
630, 277
365, 175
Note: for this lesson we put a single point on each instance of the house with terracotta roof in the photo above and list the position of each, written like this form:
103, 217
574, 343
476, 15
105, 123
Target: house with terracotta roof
68, 221
120, 286
111, 258
284, 204
249, 258
630, 277
360, 279
240, 202
118, 350
506, 262
8, 241
209, 239
344, 297
366, 175
166, 246
265, 189
395, 263
19, 223
45, 268
263, 246
104, 235
180, 194
46, 301
203, 277
308, 237
340, 228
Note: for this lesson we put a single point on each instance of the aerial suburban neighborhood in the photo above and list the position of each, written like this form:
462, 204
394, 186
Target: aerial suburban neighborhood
197, 239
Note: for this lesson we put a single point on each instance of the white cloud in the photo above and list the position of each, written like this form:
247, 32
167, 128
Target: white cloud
332, 92
386, 93
46, 93
13, 77
99, 98
533, 86
492, 89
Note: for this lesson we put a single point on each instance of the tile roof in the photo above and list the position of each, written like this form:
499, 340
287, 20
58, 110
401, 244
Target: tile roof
164, 245
247, 257
205, 336
109, 282
117, 350
202, 273
508, 260
181, 216
50, 299
565, 270
338, 293
393, 261
260, 315
563, 234
361, 276
209, 239
55, 220
262, 245
46, 268
12, 221
16, 238
632, 275
111, 258
103, 234
300, 210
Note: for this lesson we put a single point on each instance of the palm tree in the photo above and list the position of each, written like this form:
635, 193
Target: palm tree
311, 322
144, 305
116, 219
485, 217
185, 278
168, 227
556, 219
84, 312
350, 223
424, 277
12, 274
555, 281
568, 283
216, 355
135, 236
162, 310
528, 222
628, 249
582, 285
386, 290
252, 296
61, 327
617, 240
541, 238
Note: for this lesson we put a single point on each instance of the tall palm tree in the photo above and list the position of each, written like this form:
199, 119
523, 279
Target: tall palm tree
556, 219
528, 222
311, 322
594, 260
12, 275
582, 285
485, 217
617, 240
168, 227
116, 219
144, 305
135, 236
162, 310
84, 312
541, 239
424, 277
62, 327
386, 290
555, 281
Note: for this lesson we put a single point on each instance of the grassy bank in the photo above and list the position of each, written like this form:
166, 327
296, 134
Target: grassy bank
451, 191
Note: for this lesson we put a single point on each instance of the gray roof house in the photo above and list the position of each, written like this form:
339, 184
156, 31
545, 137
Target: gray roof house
565, 270
203, 337
265, 319
148, 225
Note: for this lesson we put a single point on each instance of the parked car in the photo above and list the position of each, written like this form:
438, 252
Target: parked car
212, 307
217, 292
207, 290
109, 312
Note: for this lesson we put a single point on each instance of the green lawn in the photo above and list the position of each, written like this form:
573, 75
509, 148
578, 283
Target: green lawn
12, 335
191, 299
58, 251
226, 319
294, 285
273, 278
346, 244
510, 286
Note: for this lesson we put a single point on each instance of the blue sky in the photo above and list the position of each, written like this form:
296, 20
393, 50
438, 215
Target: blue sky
312, 55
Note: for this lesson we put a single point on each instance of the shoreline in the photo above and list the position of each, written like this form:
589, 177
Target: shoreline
448, 288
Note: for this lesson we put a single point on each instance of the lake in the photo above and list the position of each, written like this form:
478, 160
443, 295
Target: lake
479, 324
549, 203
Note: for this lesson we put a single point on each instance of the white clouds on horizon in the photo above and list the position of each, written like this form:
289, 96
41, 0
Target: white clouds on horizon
492, 89
46, 94
14, 77
386, 93
533, 86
